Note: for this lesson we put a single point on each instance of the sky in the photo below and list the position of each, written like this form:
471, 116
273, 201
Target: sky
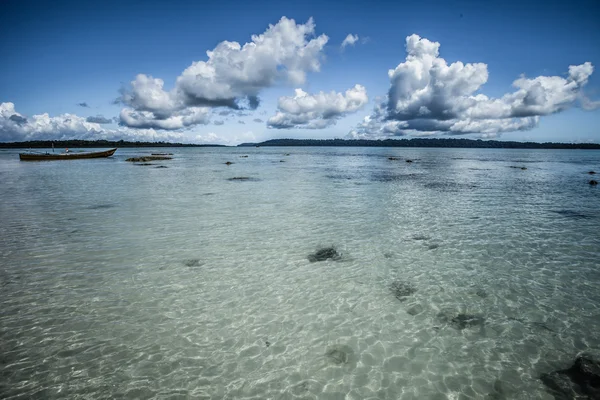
229, 72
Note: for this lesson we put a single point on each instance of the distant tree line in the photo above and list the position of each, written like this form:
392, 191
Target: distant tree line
434, 142
46, 144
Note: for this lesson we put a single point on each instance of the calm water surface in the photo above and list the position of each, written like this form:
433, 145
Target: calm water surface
459, 277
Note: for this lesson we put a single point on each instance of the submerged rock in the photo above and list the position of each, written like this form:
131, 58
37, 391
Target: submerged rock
228, 163
243, 156
242, 178
481, 293
414, 310
582, 380
409, 161
593, 182
421, 237
324, 254
162, 154
393, 158
462, 321
592, 172
144, 164
402, 289
148, 158
193, 263
162, 166
340, 354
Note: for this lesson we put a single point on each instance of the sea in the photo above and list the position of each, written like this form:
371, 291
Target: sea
297, 273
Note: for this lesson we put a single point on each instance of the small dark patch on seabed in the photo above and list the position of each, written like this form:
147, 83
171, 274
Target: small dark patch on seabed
101, 206
340, 354
162, 166
324, 254
481, 293
593, 182
243, 179
571, 214
192, 263
421, 237
402, 289
463, 321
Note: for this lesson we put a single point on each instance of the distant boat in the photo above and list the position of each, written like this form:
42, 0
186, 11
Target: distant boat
64, 156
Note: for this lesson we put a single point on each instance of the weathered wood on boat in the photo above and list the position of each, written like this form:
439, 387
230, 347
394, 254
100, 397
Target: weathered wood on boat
65, 156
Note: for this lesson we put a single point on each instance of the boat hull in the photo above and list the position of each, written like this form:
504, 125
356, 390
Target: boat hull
65, 156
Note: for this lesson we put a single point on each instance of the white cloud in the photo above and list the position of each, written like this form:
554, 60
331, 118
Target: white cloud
17, 127
177, 120
349, 40
233, 76
317, 111
428, 95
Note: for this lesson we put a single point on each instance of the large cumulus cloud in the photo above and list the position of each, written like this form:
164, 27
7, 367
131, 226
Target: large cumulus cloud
233, 76
317, 111
428, 96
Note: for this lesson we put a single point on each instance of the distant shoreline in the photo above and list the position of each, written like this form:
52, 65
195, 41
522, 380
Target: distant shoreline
434, 142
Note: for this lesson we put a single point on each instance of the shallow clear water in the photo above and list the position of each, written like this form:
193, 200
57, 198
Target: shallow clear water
127, 281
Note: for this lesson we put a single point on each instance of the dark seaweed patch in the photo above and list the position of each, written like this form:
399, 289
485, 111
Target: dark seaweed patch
101, 206
571, 214
402, 289
462, 321
192, 263
243, 179
421, 237
323, 254
340, 354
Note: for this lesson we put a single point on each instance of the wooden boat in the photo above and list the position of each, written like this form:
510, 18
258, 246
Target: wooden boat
65, 156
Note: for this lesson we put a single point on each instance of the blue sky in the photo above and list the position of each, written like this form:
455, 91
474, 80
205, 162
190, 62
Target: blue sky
463, 57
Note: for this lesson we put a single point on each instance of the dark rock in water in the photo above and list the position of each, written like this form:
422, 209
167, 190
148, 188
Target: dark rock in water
242, 178
582, 380
571, 214
523, 168
286, 154
267, 343
144, 164
162, 154
415, 310
162, 166
433, 246
393, 158
281, 161
243, 156
462, 321
228, 163
402, 290
340, 354
193, 263
481, 293
324, 254
592, 172
421, 237
148, 158
593, 182
101, 206
409, 161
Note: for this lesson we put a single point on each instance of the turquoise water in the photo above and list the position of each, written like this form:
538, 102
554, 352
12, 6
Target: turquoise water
130, 281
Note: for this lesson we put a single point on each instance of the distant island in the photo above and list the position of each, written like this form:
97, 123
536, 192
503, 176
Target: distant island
433, 142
